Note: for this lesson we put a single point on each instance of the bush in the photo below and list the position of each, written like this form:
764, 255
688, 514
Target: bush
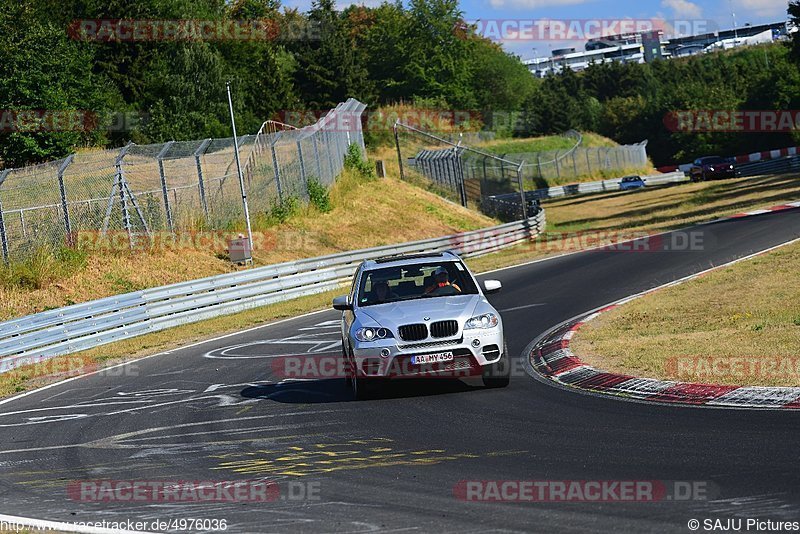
318, 196
353, 160
283, 210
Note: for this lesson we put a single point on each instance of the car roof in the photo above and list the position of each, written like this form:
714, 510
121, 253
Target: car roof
400, 260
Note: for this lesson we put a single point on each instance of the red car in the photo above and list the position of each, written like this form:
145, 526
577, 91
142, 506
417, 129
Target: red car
711, 168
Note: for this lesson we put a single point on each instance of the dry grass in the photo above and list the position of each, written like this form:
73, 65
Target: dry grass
737, 325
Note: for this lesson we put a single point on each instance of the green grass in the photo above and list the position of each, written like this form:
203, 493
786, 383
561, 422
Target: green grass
543, 144
44, 266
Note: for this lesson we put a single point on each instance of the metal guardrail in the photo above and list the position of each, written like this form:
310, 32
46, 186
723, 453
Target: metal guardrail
502, 206
772, 166
41, 336
603, 185
496, 204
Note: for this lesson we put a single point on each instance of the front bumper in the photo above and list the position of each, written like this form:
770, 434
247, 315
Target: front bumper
719, 174
390, 359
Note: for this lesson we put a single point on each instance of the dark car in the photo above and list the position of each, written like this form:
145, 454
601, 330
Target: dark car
711, 168
631, 182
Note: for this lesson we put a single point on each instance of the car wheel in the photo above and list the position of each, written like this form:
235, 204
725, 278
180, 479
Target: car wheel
358, 386
498, 374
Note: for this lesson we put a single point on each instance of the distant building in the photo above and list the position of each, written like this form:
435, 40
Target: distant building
577, 61
649, 46
742, 36
652, 45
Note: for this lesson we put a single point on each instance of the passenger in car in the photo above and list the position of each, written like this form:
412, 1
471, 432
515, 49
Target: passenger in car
442, 279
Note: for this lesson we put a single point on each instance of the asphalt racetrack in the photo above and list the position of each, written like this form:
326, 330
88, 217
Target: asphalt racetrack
217, 411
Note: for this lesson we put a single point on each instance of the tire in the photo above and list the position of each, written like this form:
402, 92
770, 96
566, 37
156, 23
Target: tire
498, 374
358, 386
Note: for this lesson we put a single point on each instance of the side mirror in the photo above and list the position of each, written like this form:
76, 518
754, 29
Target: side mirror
341, 304
492, 286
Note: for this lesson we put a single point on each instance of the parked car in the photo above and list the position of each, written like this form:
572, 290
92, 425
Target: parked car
711, 168
420, 315
631, 182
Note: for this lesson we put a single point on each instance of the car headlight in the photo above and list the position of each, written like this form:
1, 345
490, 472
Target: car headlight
487, 320
373, 333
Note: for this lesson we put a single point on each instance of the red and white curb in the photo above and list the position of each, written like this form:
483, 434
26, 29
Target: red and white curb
551, 359
772, 209
790, 205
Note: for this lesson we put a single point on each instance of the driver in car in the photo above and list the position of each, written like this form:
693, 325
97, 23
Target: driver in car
381, 292
442, 283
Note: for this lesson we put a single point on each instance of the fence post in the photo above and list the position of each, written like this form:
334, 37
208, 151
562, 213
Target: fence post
3, 237
316, 157
574, 164
558, 167
588, 163
397, 145
302, 167
201, 185
539, 165
329, 152
126, 218
460, 174
63, 191
164, 191
275, 167
522, 195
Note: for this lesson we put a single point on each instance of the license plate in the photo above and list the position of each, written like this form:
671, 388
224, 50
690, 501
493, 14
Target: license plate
432, 358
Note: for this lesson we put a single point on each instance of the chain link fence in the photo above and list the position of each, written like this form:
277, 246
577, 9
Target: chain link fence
484, 181
459, 173
141, 190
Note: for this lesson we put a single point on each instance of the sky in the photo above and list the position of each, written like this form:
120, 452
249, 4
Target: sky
522, 26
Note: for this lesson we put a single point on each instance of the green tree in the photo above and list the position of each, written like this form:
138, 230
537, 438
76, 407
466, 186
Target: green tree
328, 68
41, 69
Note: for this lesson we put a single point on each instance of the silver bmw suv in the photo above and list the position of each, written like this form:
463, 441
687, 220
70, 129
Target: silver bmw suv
420, 315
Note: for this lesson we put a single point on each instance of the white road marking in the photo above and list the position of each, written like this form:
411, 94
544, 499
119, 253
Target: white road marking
526, 306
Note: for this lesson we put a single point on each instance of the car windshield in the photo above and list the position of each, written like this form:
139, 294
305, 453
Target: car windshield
713, 159
425, 280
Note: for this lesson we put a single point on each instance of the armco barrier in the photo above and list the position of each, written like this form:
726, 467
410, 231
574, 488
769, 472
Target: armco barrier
602, 185
67, 330
754, 157
770, 166
497, 205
